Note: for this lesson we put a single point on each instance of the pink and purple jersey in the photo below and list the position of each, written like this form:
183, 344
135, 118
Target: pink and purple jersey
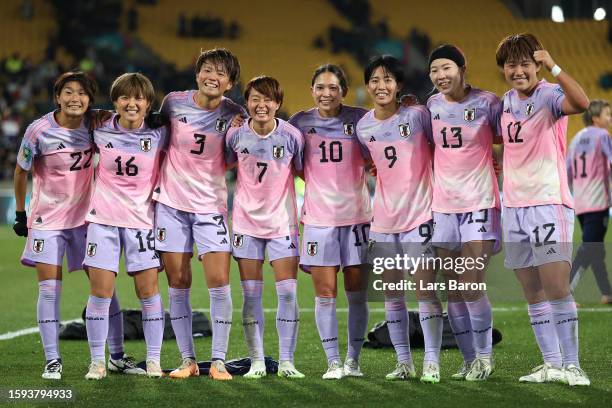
588, 165
192, 177
463, 132
62, 172
264, 200
399, 147
334, 169
126, 175
534, 131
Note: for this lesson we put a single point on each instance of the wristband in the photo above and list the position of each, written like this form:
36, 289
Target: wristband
555, 71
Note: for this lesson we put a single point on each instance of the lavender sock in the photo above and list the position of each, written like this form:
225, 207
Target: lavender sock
287, 318
48, 316
153, 325
221, 316
252, 318
327, 325
357, 322
396, 315
430, 315
459, 319
481, 320
543, 325
115, 329
96, 322
181, 320
566, 325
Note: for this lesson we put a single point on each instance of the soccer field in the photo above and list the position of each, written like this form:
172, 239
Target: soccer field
22, 358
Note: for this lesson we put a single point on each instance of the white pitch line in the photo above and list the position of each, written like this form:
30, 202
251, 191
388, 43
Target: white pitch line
32, 330
29, 330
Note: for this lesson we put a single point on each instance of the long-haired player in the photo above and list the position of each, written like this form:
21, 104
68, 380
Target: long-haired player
336, 214
466, 205
192, 205
268, 152
538, 216
57, 149
121, 219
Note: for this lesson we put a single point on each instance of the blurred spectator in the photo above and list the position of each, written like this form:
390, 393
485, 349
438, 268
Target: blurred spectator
26, 9
132, 19
206, 27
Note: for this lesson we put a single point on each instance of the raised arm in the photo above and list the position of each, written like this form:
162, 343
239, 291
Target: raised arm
576, 100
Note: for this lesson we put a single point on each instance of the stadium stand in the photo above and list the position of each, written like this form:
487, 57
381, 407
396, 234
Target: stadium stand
269, 42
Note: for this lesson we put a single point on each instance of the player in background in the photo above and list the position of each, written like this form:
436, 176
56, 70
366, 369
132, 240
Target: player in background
57, 149
397, 140
538, 216
588, 166
268, 151
466, 206
336, 214
191, 205
121, 219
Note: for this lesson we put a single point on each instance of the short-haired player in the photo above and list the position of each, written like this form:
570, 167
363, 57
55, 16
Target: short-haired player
538, 216
120, 219
397, 139
191, 205
268, 152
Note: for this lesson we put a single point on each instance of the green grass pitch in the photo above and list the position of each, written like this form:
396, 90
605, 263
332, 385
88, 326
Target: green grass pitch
22, 358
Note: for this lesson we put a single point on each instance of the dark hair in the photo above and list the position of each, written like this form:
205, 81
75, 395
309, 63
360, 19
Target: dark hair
220, 56
89, 85
595, 108
132, 84
517, 47
390, 65
332, 69
267, 86
450, 52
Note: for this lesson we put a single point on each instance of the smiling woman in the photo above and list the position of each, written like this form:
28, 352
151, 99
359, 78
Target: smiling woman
121, 219
58, 150
132, 94
540, 213
191, 206
268, 152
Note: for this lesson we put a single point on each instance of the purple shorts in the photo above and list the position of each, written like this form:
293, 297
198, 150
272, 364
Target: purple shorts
414, 243
105, 243
248, 247
48, 247
334, 246
537, 235
176, 231
451, 231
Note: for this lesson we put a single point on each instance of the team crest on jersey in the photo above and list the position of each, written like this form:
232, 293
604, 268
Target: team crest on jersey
221, 125
278, 152
404, 129
161, 234
349, 129
238, 240
529, 109
469, 114
38, 245
145, 144
312, 248
91, 248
